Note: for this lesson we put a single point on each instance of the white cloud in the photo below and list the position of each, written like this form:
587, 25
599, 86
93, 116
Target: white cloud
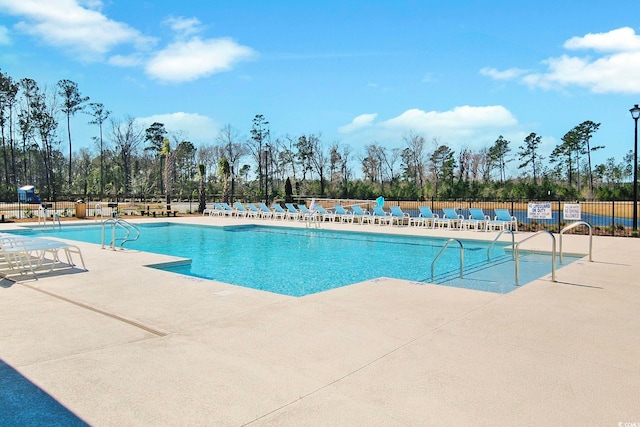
463, 120
4, 35
461, 126
196, 127
67, 24
615, 70
80, 27
610, 74
190, 60
508, 74
184, 26
360, 122
619, 40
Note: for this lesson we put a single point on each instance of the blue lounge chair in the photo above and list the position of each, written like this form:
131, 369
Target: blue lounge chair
325, 215
254, 211
292, 212
212, 211
478, 215
278, 212
267, 213
380, 216
450, 219
219, 210
427, 217
226, 209
307, 215
343, 214
399, 216
502, 220
360, 215
240, 210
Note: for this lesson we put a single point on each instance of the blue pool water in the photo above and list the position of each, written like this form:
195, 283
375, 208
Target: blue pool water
299, 262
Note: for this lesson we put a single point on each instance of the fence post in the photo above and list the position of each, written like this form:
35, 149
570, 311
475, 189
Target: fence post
613, 217
559, 216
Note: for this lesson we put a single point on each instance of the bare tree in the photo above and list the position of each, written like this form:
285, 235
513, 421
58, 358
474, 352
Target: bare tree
126, 138
415, 155
372, 162
319, 159
464, 164
42, 114
233, 150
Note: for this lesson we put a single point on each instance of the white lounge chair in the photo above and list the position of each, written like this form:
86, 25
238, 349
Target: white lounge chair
292, 212
240, 209
476, 214
427, 218
307, 215
325, 215
278, 212
254, 211
343, 214
268, 213
502, 220
399, 216
380, 216
360, 215
28, 253
451, 219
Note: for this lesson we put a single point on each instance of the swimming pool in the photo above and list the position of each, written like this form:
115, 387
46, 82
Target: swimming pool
298, 262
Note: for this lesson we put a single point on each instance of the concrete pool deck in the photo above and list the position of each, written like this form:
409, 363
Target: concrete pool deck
125, 345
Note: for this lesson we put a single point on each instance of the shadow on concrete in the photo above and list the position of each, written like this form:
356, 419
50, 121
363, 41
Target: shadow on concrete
22, 403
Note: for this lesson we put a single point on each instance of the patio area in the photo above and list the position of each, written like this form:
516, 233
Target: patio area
125, 345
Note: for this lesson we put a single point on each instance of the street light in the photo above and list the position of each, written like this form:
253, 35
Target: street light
635, 113
267, 160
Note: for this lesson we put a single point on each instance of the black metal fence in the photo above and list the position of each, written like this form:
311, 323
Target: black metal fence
611, 218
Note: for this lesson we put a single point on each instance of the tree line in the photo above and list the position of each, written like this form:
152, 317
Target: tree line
127, 160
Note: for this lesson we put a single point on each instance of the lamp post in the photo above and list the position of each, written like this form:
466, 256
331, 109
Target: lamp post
267, 160
635, 113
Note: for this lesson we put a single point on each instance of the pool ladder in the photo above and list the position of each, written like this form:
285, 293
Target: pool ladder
121, 223
515, 255
42, 218
516, 247
433, 263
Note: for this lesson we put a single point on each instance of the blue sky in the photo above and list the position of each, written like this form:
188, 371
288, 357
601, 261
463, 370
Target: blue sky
358, 72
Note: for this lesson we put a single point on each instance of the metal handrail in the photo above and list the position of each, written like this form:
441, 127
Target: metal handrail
513, 243
42, 213
574, 225
127, 226
433, 263
553, 255
56, 216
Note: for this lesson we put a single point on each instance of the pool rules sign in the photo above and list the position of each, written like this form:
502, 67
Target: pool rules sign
539, 211
572, 212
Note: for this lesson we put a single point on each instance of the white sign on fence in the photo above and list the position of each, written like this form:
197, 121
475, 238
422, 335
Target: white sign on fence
539, 211
572, 212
